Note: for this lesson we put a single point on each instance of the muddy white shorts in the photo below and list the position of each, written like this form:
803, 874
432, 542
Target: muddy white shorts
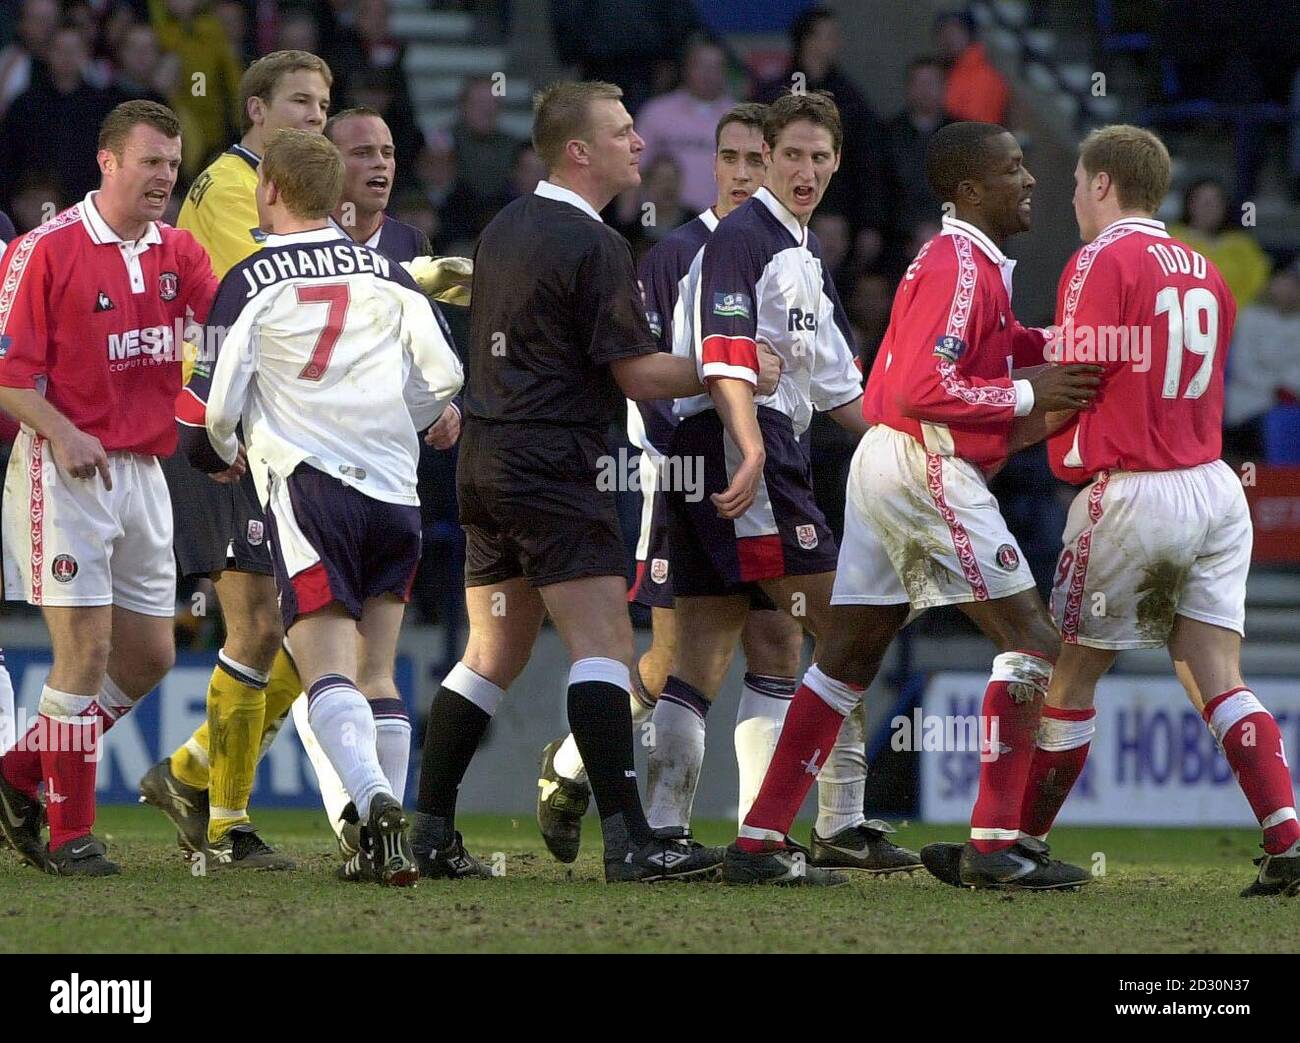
922, 528
1142, 547
71, 541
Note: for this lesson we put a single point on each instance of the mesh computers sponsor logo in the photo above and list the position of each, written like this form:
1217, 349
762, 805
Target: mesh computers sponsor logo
94, 996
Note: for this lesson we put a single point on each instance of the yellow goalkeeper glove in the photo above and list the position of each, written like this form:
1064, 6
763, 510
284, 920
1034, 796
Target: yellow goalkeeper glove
445, 279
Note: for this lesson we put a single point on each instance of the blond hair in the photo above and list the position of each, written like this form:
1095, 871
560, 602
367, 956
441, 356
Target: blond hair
562, 112
1136, 160
306, 169
263, 76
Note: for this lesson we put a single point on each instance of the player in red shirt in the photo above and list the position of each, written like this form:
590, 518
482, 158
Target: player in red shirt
921, 528
93, 305
1157, 545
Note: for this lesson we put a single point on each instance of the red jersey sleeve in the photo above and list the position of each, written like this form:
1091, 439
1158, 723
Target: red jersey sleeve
24, 312
936, 346
202, 280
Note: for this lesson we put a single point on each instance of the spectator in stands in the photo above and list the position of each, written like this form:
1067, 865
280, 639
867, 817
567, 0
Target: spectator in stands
142, 71
836, 241
458, 210
660, 208
234, 18
975, 89
682, 122
484, 152
868, 306
622, 41
22, 62
1207, 226
52, 128
209, 118
37, 199
298, 31
528, 169
384, 90
906, 136
860, 190
1264, 364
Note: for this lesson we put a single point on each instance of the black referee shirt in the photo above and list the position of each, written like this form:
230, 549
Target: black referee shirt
555, 301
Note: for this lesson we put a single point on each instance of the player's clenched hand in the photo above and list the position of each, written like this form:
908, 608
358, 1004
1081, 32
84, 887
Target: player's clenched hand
1065, 387
769, 369
738, 497
81, 455
445, 431
234, 472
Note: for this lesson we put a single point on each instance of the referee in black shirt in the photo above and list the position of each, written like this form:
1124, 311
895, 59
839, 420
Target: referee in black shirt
558, 339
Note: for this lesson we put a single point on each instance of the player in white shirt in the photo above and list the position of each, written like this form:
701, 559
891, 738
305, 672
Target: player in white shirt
332, 360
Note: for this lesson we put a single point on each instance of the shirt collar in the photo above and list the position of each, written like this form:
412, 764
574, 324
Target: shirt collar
1145, 224
100, 233
953, 226
550, 190
316, 235
247, 155
372, 242
797, 231
709, 218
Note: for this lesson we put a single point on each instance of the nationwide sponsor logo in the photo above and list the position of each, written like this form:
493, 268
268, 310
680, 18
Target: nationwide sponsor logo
807, 535
950, 347
64, 568
731, 305
256, 532
169, 285
659, 569
1008, 558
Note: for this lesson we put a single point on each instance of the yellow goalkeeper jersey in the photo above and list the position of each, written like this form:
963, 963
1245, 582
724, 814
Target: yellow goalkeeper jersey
220, 210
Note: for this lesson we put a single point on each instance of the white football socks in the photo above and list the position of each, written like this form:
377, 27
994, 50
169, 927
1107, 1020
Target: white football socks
842, 783
676, 755
763, 704
344, 727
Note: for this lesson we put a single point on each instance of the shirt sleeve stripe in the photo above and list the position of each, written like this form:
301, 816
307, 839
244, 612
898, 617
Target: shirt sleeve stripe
730, 351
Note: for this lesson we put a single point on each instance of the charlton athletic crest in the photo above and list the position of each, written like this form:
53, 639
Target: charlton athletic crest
659, 569
169, 284
807, 536
255, 532
64, 568
1008, 558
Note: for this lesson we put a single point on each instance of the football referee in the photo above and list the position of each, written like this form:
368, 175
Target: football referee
558, 338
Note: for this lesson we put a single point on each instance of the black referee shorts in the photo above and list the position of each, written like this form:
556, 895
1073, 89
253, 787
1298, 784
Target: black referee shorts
531, 506
216, 526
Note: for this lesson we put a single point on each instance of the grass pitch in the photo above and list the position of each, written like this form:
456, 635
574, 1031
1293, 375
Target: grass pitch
1163, 891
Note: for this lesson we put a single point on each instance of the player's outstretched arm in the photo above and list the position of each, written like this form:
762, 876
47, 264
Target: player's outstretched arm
76, 452
849, 416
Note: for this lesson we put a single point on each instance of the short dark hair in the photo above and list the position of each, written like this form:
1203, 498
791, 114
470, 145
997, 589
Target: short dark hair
347, 114
562, 112
119, 123
958, 152
748, 113
816, 107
